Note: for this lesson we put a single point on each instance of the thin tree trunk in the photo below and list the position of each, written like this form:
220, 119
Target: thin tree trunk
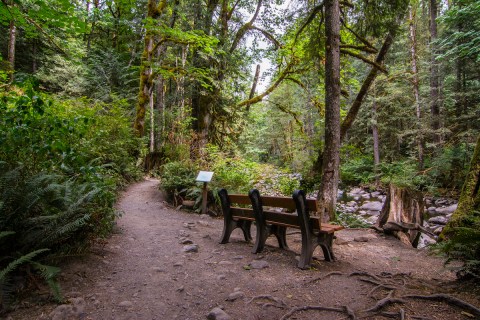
416, 85
34, 56
331, 159
152, 122
376, 144
434, 73
11, 47
254, 85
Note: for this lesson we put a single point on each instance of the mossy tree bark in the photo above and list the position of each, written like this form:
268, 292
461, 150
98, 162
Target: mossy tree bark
469, 202
146, 71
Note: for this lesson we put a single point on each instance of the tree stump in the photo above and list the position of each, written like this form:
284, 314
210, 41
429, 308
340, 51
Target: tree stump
402, 214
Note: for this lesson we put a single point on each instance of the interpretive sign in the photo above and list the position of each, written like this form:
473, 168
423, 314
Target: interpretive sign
205, 176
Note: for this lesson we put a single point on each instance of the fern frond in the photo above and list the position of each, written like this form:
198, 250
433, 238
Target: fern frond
6, 233
49, 274
72, 226
15, 263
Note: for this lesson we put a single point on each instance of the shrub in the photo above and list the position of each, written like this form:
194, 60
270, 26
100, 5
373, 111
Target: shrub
178, 177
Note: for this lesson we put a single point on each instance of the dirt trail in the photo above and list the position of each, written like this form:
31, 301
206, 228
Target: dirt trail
143, 272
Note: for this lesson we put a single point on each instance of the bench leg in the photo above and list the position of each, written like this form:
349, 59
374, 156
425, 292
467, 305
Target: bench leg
261, 238
230, 225
281, 235
325, 241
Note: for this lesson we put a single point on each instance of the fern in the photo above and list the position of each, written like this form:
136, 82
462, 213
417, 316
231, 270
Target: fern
49, 274
15, 263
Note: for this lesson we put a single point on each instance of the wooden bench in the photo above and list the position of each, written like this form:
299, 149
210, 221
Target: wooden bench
270, 222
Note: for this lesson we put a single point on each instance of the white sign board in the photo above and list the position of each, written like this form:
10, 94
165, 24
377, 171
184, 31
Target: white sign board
205, 176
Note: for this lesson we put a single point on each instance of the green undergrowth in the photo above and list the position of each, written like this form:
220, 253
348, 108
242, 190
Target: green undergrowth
61, 165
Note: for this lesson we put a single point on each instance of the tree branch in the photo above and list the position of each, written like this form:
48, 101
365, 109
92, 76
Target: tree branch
247, 26
259, 98
364, 59
268, 35
362, 48
310, 18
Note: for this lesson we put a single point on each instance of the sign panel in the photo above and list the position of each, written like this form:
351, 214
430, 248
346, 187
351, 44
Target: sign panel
205, 176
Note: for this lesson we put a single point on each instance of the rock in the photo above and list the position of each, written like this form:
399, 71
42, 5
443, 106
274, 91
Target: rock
221, 277
372, 206
203, 223
178, 264
235, 295
158, 269
438, 230
438, 220
373, 213
366, 196
352, 204
375, 194
447, 210
224, 263
431, 209
125, 304
350, 209
189, 225
190, 248
340, 241
361, 239
259, 264
238, 257
217, 314
188, 204
186, 241
72, 311
441, 202
356, 191
362, 212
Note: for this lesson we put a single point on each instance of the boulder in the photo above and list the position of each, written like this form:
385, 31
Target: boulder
447, 210
440, 220
372, 206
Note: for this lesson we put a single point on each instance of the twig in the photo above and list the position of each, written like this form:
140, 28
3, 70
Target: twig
344, 309
268, 297
333, 273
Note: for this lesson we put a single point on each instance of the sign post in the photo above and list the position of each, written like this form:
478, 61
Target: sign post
205, 177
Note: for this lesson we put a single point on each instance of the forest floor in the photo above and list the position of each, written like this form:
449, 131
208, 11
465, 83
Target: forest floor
143, 272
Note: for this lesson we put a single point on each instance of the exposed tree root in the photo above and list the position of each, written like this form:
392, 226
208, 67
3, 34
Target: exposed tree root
377, 286
388, 300
448, 299
333, 273
344, 309
277, 301
363, 273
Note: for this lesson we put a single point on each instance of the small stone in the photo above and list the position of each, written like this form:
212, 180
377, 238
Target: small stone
189, 225
221, 277
190, 248
125, 304
203, 223
178, 264
224, 263
259, 264
217, 314
181, 289
186, 241
158, 269
235, 295
438, 230
361, 239
238, 257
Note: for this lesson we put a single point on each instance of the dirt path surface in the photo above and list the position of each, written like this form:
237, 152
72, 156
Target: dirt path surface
143, 272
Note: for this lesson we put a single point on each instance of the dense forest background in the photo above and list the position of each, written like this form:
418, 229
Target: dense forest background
94, 93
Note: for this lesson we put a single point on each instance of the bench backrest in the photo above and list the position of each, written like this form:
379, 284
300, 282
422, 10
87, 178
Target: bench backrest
272, 201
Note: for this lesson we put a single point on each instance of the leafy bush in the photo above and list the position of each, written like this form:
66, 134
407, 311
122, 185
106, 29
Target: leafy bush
287, 185
178, 177
358, 170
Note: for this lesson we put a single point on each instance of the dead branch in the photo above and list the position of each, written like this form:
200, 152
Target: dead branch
333, 273
449, 300
254, 85
403, 226
361, 48
344, 309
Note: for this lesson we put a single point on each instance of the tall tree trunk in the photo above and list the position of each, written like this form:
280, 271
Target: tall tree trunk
376, 142
146, 71
331, 158
434, 73
12, 36
416, 84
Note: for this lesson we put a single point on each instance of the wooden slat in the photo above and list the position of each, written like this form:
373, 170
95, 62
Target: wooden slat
239, 199
281, 218
278, 202
244, 213
312, 205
